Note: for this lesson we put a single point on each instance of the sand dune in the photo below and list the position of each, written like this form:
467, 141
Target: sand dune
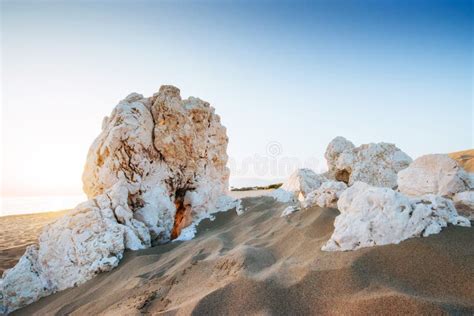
465, 158
260, 263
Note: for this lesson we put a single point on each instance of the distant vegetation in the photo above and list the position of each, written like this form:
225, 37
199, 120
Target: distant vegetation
268, 187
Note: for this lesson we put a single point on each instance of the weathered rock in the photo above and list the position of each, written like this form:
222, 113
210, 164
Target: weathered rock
373, 216
283, 196
433, 174
303, 181
300, 183
335, 148
24, 283
326, 195
79, 245
169, 153
375, 164
464, 202
158, 163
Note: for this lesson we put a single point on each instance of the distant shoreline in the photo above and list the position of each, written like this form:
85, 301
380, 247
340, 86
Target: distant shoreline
26, 205
34, 213
257, 188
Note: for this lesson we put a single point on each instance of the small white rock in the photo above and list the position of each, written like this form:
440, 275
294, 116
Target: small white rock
283, 196
298, 185
289, 210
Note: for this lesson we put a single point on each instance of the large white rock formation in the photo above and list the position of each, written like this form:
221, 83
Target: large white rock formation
375, 164
169, 154
434, 174
298, 185
158, 163
373, 216
326, 195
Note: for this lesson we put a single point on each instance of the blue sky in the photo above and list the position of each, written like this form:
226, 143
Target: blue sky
292, 73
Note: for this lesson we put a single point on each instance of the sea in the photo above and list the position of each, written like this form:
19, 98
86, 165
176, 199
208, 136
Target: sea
20, 205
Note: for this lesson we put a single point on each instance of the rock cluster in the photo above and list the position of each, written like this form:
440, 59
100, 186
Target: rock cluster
372, 213
378, 216
375, 164
441, 175
158, 163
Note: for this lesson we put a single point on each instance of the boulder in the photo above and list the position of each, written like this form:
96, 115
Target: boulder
158, 163
334, 149
303, 181
283, 196
169, 154
326, 195
372, 216
433, 174
375, 164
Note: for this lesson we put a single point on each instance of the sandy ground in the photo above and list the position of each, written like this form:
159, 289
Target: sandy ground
244, 194
19, 231
261, 264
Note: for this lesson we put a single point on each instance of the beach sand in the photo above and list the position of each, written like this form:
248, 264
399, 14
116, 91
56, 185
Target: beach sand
261, 264
19, 231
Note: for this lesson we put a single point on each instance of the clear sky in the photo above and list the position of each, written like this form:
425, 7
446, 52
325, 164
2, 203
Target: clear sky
286, 77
